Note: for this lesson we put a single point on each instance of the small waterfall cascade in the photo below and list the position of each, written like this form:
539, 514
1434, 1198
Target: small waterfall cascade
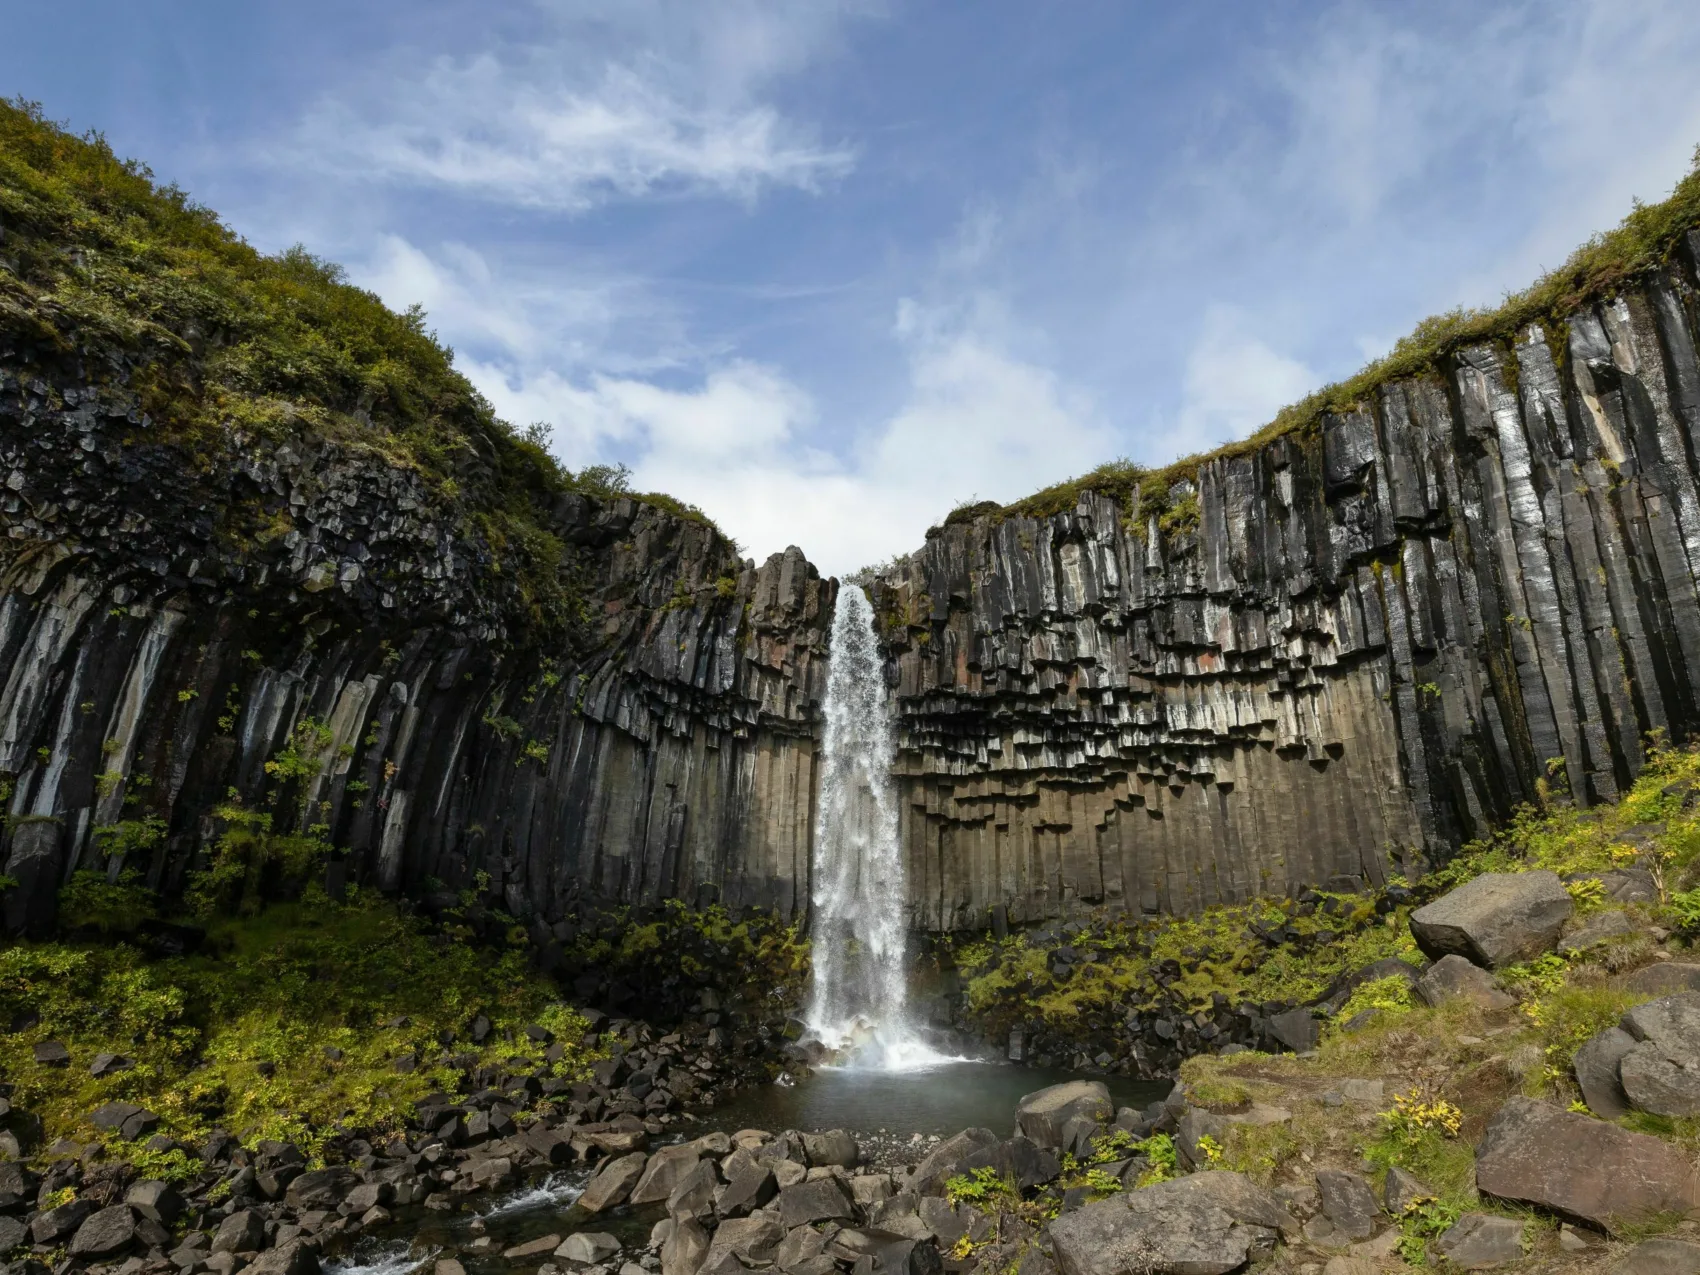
859, 1004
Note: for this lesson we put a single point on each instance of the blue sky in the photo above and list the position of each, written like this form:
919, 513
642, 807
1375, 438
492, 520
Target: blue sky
828, 269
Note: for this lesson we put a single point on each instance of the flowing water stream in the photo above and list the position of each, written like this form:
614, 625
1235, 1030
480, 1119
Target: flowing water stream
859, 1004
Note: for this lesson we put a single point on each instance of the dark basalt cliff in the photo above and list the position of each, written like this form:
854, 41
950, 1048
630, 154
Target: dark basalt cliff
263, 545
168, 624
1363, 645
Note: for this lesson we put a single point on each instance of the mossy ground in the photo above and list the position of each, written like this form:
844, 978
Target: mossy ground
236, 1034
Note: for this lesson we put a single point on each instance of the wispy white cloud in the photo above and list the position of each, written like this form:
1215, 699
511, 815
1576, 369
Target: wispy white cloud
1235, 382
600, 104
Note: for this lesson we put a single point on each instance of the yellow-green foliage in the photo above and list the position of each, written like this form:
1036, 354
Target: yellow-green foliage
275, 988
1391, 996
1595, 271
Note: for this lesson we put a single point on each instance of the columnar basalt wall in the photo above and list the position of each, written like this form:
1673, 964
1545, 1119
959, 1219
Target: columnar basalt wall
1351, 651
168, 624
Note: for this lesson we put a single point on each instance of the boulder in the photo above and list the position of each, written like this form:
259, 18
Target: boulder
1496, 919
693, 1194
12, 1233
156, 1201
319, 1189
799, 1246
1661, 1074
528, 1249
747, 1189
832, 1147
1596, 1067
1018, 1159
745, 1238
821, 1200
1203, 1224
52, 1053
243, 1231
1481, 1241
105, 1234
1533, 1152
944, 1161
588, 1247
1665, 1255
1452, 977
1593, 929
613, 1183
868, 1189
1348, 1203
1664, 978
1401, 1190
125, 1119
686, 1246
665, 1170
294, 1258
1297, 1029
54, 1226
883, 1252
1043, 1114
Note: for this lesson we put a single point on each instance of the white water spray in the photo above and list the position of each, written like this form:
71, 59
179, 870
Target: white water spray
860, 1000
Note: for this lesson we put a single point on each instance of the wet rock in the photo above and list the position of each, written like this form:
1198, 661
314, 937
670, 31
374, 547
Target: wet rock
1202, 1224
1348, 1203
821, 1200
588, 1247
105, 1234
1665, 1255
1596, 1071
1661, 1074
1496, 919
242, 1232
612, 1183
1534, 1153
542, 1246
1481, 1241
1043, 1115
1453, 977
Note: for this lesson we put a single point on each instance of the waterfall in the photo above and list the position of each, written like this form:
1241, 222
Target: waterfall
860, 998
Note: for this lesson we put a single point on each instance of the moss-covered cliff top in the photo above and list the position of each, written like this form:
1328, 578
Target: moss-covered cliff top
1646, 239
102, 265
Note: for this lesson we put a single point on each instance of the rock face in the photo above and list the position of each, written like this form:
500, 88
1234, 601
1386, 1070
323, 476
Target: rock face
1497, 919
1202, 1224
1534, 1153
1318, 660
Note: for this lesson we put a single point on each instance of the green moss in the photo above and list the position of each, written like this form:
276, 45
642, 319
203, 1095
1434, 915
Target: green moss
236, 1035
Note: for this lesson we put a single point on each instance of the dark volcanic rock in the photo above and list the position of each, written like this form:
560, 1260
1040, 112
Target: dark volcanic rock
1661, 1073
1453, 976
1202, 1224
1480, 1241
612, 1183
1496, 919
1043, 1115
1534, 1153
105, 1234
1597, 1076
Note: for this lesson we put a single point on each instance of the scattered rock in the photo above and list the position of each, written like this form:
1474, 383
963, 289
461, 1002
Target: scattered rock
822, 1200
109, 1064
1596, 1067
1479, 1241
1534, 1153
105, 1234
1202, 1224
242, 1232
744, 1238
157, 1201
944, 1161
52, 1053
612, 1183
319, 1189
1348, 1203
1452, 977
1664, 978
294, 1258
1665, 1255
832, 1147
663, 1172
1297, 1029
686, 1246
1043, 1115
588, 1247
746, 1190
56, 1225
1496, 919
1661, 1074
1593, 929
542, 1246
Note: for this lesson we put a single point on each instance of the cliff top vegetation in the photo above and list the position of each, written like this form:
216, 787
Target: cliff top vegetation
101, 264
1645, 240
